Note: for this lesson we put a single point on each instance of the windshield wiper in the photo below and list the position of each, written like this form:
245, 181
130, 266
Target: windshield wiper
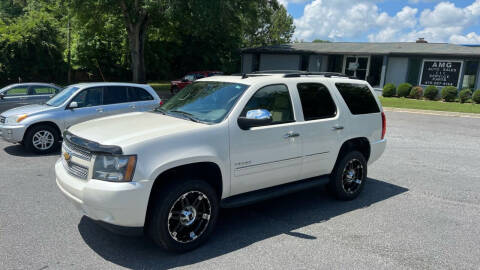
160, 110
187, 115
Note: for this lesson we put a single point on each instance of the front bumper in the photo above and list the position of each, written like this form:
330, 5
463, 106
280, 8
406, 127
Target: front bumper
13, 134
120, 204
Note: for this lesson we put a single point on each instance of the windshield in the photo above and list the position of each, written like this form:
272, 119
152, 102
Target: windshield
61, 97
205, 101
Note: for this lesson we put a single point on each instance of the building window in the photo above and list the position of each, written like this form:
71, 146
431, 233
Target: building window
256, 62
470, 76
414, 69
305, 62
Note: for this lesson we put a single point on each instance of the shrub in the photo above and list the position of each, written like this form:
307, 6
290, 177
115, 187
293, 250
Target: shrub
431, 92
389, 90
403, 89
465, 95
416, 92
476, 96
449, 93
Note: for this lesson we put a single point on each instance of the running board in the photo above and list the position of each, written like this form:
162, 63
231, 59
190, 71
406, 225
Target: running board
272, 192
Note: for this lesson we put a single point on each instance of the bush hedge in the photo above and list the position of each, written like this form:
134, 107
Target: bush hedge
449, 93
465, 95
416, 92
476, 96
404, 89
431, 92
389, 90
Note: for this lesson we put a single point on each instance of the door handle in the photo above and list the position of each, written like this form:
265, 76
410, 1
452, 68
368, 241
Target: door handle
100, 110
132, 106
337, 128
291, 134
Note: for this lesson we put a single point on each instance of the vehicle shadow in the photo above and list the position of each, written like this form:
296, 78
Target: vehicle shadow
237, 228
20, 151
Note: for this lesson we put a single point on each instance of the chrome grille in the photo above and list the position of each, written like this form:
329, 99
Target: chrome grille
77, 151
75, 169
2, 119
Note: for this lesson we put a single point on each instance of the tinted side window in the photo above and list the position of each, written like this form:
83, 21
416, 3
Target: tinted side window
138, 94
89, 97
114, 95
43, 90
275, 99
317, 103
17, 91
358, 97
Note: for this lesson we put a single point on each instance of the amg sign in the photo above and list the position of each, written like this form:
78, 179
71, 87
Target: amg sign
441, 72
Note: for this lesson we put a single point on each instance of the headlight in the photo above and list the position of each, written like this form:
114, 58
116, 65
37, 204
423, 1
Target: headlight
15, 119
114, 168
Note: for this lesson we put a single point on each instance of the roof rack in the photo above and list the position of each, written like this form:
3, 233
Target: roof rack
294, 74
325, 74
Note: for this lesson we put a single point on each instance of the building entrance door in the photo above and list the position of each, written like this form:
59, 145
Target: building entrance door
357, 66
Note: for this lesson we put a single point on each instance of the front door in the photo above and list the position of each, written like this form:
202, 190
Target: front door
357, 66
90, 106
14, 97
270, 155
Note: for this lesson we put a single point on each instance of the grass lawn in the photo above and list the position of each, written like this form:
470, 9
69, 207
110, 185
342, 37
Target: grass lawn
430, 105
160, 87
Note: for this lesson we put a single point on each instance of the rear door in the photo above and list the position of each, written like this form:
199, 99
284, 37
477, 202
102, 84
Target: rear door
320, 128
40, 94
141, 100
90, 106
115, 99
14, 97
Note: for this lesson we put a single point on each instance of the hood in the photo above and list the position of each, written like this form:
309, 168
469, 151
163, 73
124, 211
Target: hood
130, 128
28, 109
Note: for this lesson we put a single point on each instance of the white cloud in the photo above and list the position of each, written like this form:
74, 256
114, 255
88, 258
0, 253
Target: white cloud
470, 38
342, 20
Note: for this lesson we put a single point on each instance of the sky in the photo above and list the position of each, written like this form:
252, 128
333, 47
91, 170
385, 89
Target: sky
454, 21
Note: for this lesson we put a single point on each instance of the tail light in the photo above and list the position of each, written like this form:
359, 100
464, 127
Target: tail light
161, 102
384, 125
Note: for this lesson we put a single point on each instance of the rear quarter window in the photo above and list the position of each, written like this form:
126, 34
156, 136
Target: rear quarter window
358, 98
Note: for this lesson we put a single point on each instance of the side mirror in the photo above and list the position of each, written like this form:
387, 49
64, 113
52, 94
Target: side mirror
2, 96
73, 105
255, 118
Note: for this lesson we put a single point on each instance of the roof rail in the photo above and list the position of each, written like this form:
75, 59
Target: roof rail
277, 71
325, 74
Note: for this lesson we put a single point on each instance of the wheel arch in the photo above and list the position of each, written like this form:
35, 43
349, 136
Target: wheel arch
361, 144
206, 170
48, 123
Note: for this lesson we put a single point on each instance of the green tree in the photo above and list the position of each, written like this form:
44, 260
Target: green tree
137, 16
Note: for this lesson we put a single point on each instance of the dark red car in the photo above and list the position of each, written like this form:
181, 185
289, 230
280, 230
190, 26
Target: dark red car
178, 85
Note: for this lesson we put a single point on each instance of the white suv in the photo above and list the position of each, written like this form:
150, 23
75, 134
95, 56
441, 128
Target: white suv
222, 141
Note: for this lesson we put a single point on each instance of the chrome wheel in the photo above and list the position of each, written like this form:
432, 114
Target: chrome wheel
43, 140
189, 216
352, 176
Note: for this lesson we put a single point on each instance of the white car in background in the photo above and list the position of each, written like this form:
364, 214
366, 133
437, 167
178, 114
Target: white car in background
40, 127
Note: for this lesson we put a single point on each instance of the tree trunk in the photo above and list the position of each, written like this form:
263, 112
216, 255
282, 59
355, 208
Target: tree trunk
136, 25
136, 39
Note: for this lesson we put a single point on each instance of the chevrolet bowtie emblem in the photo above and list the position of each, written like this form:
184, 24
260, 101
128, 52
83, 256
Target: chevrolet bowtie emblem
67, 156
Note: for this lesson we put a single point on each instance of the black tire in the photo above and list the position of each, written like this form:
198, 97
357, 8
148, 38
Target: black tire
343, 185
161, 225
49, 131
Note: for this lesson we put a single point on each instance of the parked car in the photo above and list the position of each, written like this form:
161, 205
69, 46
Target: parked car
223, 141
40, 127
21, 94
176, 86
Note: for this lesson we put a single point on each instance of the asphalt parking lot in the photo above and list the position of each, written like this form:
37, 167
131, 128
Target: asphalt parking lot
420, 209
